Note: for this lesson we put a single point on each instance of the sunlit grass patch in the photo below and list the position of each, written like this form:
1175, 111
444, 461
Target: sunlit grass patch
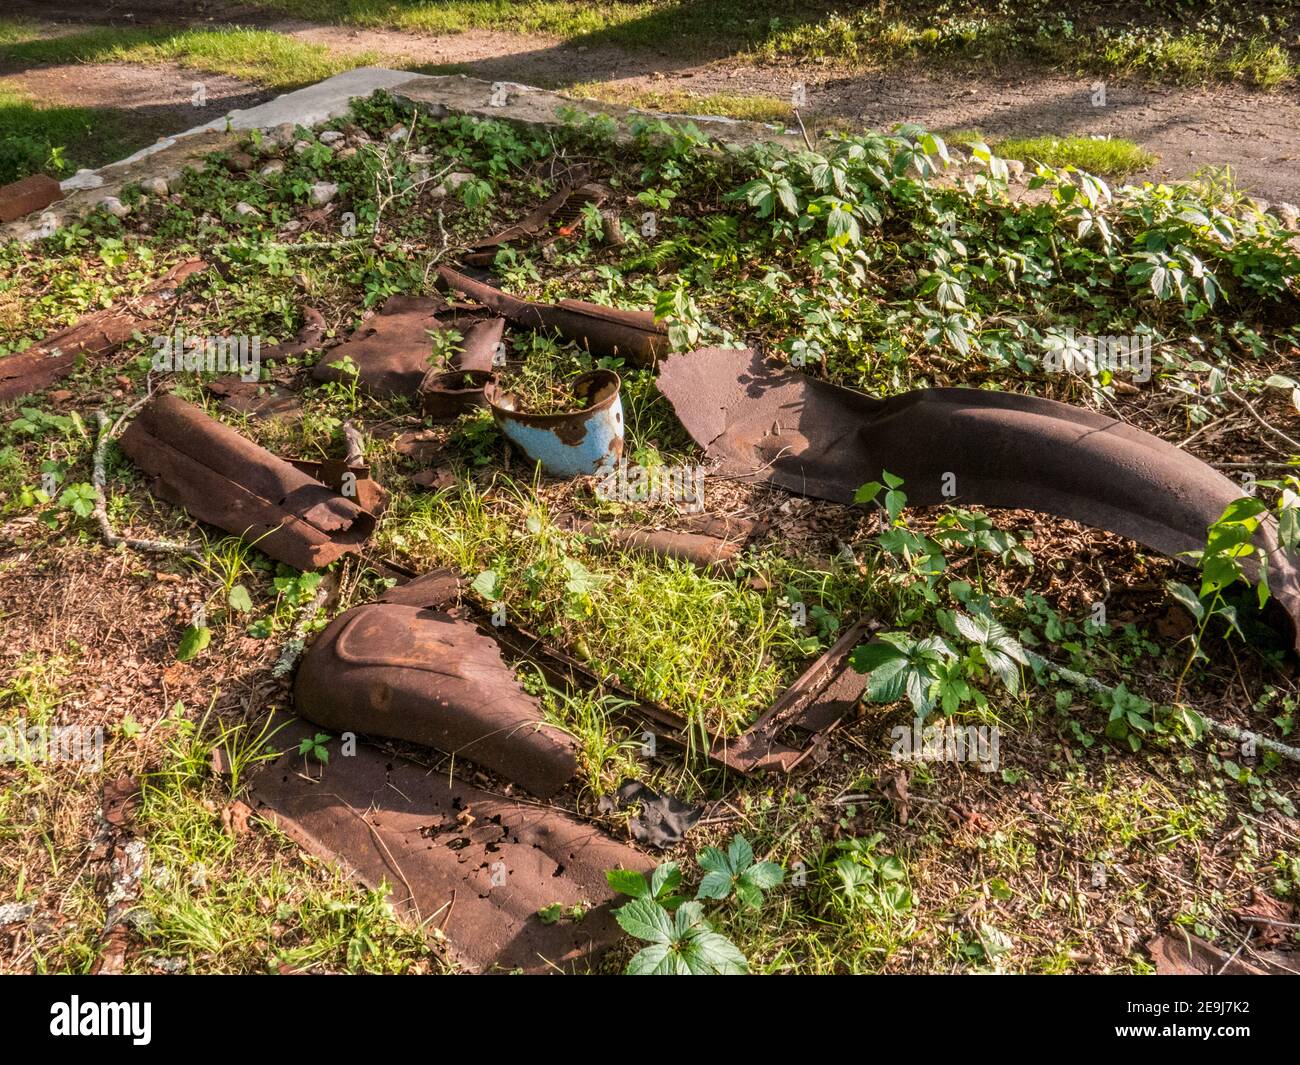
1114, 157
678, 101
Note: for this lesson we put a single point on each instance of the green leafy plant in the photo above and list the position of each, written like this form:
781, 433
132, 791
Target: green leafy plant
735, 870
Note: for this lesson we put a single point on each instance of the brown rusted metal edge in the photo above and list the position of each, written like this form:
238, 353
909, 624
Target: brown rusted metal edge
94, 335
710, 543
995, 449
563, 206
475, 866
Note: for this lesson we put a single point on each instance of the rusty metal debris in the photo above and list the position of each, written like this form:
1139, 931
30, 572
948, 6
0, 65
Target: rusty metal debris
404, 669
94, 335
573, 443
477, 867
222, 478
559, 213
993, 449
392, 351
606, 332
710, 543
20, 198
664, 819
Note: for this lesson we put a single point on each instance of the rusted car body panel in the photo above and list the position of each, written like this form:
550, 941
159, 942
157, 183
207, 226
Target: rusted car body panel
992, 449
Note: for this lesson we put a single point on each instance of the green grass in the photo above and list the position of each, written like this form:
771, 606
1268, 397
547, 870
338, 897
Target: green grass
253, 55
55, 140
677, 101
1117, 158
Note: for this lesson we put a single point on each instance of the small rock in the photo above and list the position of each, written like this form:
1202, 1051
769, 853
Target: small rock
397, 133
322, 192
300, 146
330, 136
247, 210
455, 180
347, 153
114, 206
155, 186
275, 166
239, 162
59, 395
291, 226
1015, 169
274, 140
1288, 212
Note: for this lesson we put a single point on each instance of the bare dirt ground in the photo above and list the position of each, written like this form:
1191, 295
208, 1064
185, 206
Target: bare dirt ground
1256, 133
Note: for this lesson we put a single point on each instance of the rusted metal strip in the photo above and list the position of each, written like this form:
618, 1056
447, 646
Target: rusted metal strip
474, 865
559, 212
714, 544
606, 332
95, 335
221, 477
956, 445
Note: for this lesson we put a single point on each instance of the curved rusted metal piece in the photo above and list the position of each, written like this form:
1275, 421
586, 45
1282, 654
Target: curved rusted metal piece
994, 449
402, 668
572, 443
228, 481
606, 332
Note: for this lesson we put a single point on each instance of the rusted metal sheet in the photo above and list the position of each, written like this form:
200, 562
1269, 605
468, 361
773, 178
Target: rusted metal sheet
474, 865
393, 350
21, 198
572, 443
405, 670
558, 213
606, 332
94, 335
228, 481
992, 449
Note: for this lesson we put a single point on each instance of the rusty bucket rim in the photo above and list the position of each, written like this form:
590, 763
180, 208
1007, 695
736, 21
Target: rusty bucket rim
492, 391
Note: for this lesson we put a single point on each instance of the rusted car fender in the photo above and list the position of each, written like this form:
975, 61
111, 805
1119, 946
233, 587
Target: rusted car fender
960, 446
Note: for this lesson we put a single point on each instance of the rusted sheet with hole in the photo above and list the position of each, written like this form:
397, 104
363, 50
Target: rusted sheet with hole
992, 449
606, 332
221, 477
21, 198
556, 216
407, 670
95, 335
573, 443
473, 865
393, 349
